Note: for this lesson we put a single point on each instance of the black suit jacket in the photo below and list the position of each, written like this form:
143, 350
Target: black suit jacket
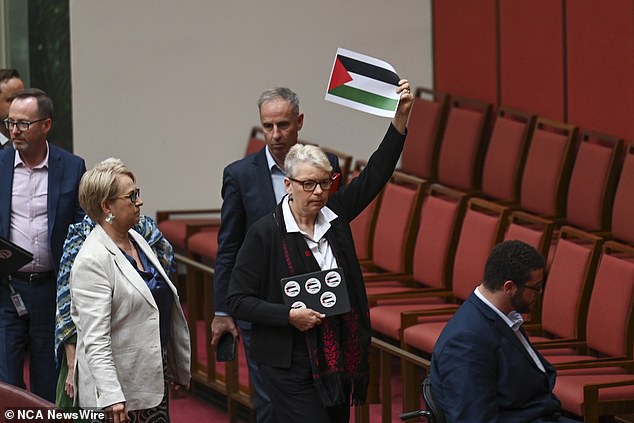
481, 372
248, 195
64, 172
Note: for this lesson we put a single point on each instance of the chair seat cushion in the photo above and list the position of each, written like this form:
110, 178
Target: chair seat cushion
386, 319
204, 244
175, 230
424, 335
569, 390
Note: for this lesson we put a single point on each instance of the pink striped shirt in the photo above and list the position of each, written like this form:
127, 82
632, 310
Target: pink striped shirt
29, 218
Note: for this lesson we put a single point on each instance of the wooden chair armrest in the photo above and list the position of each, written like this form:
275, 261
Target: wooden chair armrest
599, 363
193, 228
410, 317
558, 343
563, 343
413, 293
162, 215
388, 276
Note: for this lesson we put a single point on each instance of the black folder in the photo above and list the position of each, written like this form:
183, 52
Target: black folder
12, 256
323, 291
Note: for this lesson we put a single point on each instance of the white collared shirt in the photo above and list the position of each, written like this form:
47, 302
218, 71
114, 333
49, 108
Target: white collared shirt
4, 141
277, 176
29, 213
514, 320
318, 244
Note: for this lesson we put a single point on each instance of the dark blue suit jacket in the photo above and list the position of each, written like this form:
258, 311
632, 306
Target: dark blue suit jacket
248, 195
481, 372
64, 172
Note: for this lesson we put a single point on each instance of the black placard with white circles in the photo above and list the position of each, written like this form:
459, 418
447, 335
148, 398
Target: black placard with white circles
324, 291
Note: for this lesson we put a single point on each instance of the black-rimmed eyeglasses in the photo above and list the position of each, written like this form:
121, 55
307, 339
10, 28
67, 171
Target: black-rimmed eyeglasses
133, 196
537, 288
309, 185
23, 125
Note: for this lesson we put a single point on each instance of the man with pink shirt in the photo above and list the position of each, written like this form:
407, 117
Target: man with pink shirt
38, 201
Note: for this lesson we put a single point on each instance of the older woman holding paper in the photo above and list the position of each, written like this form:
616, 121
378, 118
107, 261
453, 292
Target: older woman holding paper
313, 363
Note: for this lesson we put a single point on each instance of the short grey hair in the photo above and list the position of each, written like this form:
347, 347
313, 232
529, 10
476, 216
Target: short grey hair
305, 153
100, 184
280, 93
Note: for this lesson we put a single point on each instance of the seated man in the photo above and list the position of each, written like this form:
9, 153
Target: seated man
483, 367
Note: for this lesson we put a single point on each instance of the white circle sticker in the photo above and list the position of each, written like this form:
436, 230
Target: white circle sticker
328, 299
298, 304
333, 279
312, 285
291, 289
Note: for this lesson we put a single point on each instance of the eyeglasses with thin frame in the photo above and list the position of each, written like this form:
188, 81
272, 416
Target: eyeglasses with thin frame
133, 196
23, 125
537, 288
309, 185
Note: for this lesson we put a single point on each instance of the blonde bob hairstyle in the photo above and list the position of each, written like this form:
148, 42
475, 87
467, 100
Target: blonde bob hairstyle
100, 184
303, 153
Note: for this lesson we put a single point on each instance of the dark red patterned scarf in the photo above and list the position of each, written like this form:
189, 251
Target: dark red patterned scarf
337, 348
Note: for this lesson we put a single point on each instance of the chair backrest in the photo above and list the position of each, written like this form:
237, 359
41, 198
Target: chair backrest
567, 289
531, 229
623, 209
436, 414
363, 225
482, 228
610, 323
506, 153
256, 141
396, 223
424, 133
437, 236
547, 169
14, 397
593, 181
463, 144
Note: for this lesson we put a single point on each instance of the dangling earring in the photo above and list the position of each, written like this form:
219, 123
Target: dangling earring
109, 218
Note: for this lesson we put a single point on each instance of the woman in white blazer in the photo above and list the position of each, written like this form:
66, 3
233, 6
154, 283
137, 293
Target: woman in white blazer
131, 331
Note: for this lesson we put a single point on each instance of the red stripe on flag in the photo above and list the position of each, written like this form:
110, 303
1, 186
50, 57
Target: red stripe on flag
339, 75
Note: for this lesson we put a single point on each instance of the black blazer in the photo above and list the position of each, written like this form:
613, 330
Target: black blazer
481, 372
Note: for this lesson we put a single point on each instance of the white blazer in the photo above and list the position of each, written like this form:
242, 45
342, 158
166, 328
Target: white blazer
118, 355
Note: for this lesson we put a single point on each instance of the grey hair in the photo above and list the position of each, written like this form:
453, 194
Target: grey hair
99, 184
304, 153
280, 93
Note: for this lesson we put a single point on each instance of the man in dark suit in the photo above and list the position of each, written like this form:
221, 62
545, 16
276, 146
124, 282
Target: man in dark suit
38, 201
10, 83
251, 188
483, 367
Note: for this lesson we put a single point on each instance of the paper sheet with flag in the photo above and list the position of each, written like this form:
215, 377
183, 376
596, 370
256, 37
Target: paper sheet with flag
363, 83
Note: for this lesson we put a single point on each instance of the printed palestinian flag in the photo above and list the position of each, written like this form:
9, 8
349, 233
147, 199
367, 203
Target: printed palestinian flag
363, 83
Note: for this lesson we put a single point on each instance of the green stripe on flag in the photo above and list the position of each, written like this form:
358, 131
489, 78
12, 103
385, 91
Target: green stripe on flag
364, 97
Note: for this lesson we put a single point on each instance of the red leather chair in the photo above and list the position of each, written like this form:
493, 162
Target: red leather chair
463, 144
425, 129
593, 181
547, 170
506, 154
